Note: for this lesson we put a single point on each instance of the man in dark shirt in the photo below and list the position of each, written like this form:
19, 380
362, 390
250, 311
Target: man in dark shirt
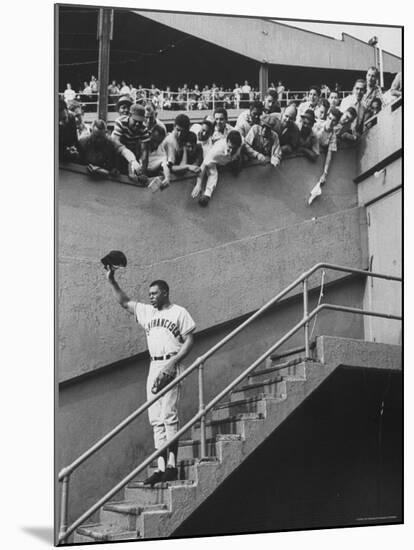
100, 152
68, 137
270, 102
287, 129
193, 151
308, 142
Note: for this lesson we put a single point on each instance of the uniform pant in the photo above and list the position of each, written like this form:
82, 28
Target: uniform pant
212, 177
163, 414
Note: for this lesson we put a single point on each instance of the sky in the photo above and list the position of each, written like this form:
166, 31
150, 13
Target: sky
389, 38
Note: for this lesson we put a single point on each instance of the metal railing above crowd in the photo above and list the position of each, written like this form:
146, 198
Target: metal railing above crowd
191, 100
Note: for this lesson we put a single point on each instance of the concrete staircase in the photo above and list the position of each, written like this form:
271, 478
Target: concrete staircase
234, 430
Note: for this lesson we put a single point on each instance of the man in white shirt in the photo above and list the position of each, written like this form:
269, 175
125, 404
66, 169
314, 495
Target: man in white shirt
169, 330
204, 131
221, 126
311, 104
236, 95
245, 95
125, 89
224, 151
69, 94
355, 100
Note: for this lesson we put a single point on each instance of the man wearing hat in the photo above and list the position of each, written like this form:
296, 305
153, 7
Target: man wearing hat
131, 132
308, 143
123, 105
262, 143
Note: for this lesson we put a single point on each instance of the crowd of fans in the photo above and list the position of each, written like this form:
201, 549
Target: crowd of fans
186, 98
140, 147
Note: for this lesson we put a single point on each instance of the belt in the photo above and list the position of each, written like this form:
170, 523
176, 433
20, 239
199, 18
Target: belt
164, 357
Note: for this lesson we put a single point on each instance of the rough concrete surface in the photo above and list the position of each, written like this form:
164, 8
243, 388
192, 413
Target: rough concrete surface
356, 353
256, 236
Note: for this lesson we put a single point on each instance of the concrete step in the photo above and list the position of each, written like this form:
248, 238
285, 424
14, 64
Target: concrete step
289, 352
230, 425
186, 469
145, 495
295, 367
190, 448
97, 532
273, 387
124, 516
255, 404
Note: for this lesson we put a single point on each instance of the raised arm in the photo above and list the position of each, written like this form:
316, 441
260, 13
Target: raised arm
119, 294
326, 166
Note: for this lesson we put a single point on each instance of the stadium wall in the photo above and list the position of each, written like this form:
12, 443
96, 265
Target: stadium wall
380, 192
256, 236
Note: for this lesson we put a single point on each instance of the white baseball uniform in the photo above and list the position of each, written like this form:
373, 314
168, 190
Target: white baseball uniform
165, 330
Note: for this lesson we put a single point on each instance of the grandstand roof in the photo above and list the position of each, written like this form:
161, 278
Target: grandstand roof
268, 41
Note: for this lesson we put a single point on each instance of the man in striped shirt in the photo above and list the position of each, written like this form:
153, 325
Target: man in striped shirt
131, 132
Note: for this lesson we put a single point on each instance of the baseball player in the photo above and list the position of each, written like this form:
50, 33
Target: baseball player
169, 329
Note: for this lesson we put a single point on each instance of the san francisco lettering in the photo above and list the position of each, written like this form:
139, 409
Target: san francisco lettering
164, 323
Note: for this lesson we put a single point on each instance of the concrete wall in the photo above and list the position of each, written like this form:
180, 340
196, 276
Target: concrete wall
381, 140
385, 249
89, 408
255, 237
381, 193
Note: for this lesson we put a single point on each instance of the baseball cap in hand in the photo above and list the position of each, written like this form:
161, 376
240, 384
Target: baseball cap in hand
114, 259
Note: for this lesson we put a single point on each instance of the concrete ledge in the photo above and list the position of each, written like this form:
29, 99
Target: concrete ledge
373, 148
334, 351
376, 187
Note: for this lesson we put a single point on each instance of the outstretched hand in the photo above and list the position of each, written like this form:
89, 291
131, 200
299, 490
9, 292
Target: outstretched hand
110, 273
196, 191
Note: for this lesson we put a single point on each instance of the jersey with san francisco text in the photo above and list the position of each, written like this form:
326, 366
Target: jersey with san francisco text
165, 329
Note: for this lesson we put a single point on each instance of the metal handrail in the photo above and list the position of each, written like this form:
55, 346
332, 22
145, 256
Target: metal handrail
208, 97
65, 473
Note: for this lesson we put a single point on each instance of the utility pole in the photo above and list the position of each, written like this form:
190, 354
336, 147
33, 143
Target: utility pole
105, 34
263, 79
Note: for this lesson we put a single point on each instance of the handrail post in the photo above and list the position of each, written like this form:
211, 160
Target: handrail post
203, 452
64, 507
305, 314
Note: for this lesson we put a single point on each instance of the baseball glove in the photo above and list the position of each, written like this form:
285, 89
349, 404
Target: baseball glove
162, 380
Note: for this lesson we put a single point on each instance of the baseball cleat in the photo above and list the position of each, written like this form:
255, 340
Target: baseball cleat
170, 474
156, 477
204, 200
